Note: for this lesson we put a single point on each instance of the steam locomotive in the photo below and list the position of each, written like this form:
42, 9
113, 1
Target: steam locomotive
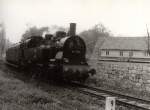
61, 56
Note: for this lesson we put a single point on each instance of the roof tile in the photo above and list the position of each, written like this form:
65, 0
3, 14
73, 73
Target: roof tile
125, 43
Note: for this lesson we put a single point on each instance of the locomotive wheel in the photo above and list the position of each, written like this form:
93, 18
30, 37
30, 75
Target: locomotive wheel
34, 72
83, 80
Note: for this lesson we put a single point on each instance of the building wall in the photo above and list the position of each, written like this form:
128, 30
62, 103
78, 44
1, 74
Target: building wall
139, 54
116, 53
111, 53
125, 53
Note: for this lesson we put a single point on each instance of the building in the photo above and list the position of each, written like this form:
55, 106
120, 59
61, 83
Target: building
125, 49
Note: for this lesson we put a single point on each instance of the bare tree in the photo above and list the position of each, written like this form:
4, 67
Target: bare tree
33, 31
92, 35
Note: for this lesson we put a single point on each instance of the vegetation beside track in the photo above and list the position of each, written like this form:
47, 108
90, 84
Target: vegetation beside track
17, 94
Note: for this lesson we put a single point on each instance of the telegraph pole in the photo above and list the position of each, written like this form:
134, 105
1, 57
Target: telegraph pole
148, 40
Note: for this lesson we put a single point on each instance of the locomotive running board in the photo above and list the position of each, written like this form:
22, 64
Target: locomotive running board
16, 66
76, 67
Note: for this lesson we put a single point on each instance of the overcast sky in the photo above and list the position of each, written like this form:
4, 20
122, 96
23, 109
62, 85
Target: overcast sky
121, 17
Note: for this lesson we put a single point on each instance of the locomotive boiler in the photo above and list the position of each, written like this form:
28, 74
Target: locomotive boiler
60, 56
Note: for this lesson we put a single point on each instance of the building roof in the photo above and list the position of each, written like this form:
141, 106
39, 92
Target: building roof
125, 43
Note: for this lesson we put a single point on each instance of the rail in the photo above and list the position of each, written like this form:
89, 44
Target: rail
121, 99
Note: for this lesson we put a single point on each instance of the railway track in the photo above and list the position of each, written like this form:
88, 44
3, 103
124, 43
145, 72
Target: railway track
121, 99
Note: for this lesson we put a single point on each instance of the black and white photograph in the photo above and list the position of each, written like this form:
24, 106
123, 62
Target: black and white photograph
74, 54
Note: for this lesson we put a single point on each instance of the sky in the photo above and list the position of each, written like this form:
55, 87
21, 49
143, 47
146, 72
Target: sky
121, 17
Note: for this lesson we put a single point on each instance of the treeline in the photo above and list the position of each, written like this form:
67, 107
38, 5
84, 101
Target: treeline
34, 31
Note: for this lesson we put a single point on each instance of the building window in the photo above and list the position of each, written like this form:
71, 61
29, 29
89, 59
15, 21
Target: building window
130, 53
147, 54
121, 53
107, 52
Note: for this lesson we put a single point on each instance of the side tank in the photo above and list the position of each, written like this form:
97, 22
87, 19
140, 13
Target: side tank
13, 54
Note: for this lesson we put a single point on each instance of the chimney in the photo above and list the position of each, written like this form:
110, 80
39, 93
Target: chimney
72, 31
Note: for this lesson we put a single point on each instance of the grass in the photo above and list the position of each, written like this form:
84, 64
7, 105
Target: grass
15, 94
19, 94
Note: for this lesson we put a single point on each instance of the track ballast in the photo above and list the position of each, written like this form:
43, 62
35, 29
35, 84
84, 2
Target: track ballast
121, 99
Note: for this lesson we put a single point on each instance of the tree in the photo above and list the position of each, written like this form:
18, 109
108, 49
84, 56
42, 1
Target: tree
34, 31
92, 35
2, 39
